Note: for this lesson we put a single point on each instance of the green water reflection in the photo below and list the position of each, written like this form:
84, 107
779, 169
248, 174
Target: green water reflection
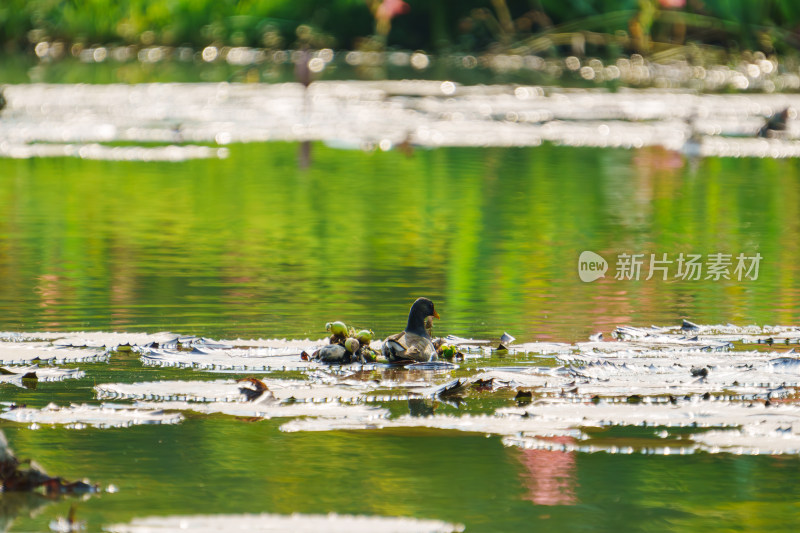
224, 465
253, 246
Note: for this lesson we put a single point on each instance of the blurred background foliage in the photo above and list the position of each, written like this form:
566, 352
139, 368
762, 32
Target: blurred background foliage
599, 27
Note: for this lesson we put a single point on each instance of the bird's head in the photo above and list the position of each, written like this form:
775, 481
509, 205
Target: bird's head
421, 309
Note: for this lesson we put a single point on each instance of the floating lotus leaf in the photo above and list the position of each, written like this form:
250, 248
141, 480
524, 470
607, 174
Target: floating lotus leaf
172, 153
230, 391
720, 333
271, 408
113, 340
16, 374
751, 428
542, 378
748, 425
655, 373
262, 359
14, 336
491, 424
692, 413
295, 345
100, 416
19, 353
297, 523
541, 348
654, 339
436, 366
462, 341
752, 439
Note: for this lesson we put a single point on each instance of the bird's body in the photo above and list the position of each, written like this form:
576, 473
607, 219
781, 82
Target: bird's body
414, 343
333, 353
408, 347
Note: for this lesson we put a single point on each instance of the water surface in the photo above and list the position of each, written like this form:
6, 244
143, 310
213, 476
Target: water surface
254, 246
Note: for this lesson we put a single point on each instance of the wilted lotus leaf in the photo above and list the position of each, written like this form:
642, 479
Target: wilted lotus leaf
268, 407
18, 353
16, 374
79, 416
297, 523
230, 390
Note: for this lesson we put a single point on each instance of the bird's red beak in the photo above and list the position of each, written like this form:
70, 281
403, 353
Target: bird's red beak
435, 314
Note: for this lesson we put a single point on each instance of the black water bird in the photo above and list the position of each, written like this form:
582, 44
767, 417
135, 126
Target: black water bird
776, 124
414, 343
